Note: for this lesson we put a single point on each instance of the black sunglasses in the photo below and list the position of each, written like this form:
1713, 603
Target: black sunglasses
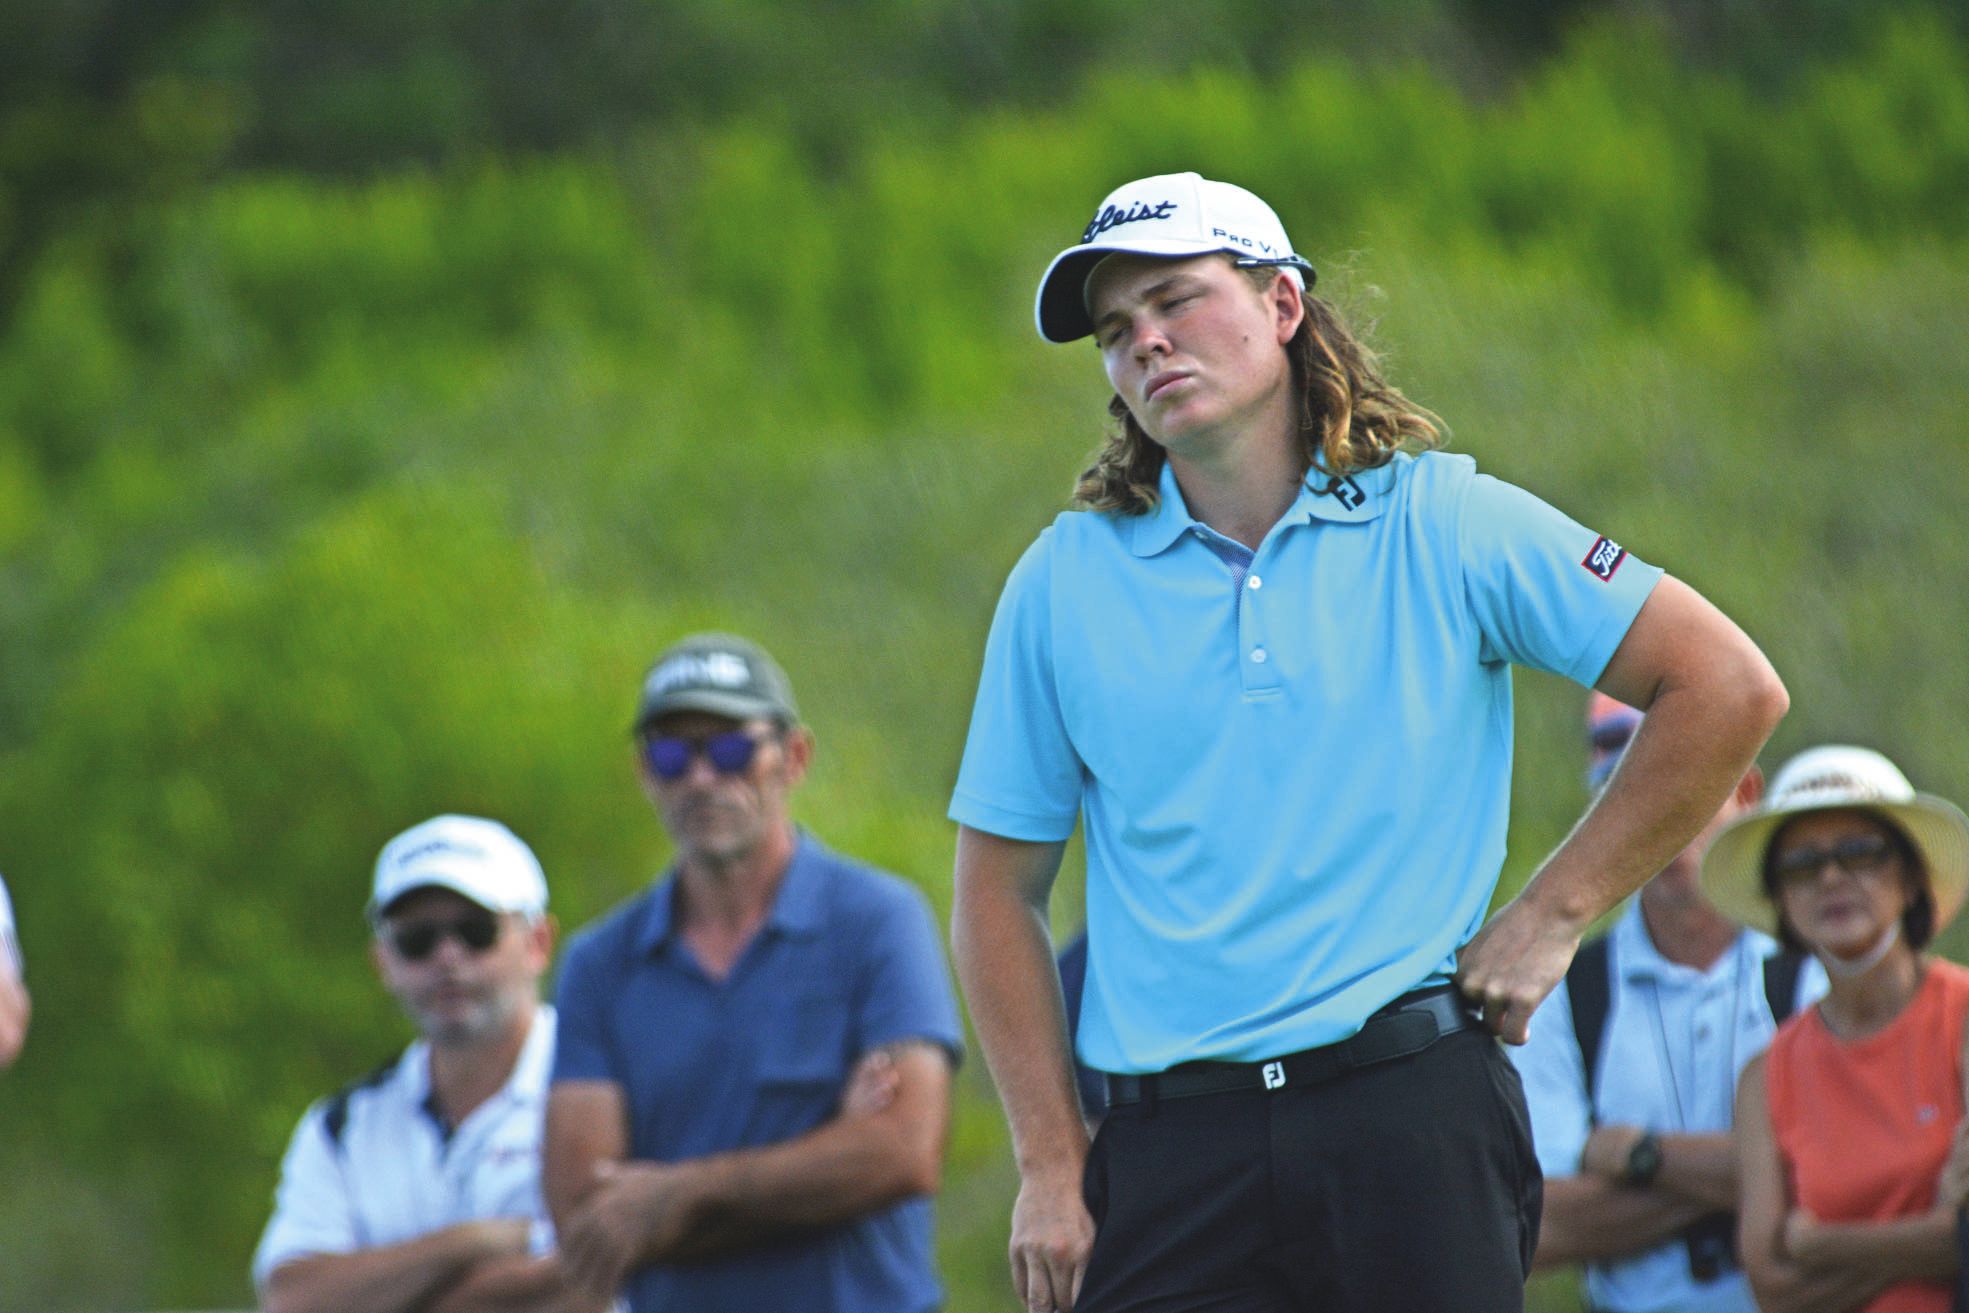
729, 753
1299, 262
1856, 856
413, 941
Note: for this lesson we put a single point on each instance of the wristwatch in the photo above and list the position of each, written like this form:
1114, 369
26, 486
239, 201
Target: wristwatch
1643, 1160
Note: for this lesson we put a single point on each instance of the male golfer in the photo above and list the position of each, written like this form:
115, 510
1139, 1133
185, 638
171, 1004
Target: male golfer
1268, 666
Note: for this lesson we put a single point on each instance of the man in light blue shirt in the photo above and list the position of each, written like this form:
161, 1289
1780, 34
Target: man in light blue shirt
1266, 669
1640, 1178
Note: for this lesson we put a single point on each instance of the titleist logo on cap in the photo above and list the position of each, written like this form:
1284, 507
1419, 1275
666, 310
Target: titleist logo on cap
432, 846
1110, 217
695, 669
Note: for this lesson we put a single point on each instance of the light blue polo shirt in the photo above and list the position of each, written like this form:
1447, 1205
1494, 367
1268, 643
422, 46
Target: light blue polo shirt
1674, 1042
1294, 782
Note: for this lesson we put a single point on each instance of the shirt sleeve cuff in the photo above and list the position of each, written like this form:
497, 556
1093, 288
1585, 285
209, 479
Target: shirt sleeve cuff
968, 809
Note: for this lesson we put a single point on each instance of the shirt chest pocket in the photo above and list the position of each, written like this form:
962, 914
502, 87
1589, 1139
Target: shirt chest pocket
807, 1043
801, 1056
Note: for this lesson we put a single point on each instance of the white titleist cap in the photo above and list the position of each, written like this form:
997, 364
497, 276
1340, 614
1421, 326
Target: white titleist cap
478, 859
1173, 215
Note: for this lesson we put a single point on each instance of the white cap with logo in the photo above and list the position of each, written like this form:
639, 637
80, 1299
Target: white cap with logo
1174, 216
475, 858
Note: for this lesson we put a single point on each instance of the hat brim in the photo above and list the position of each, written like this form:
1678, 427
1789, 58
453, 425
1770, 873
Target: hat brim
1733, 866
437, 877
711, 702
1060, 311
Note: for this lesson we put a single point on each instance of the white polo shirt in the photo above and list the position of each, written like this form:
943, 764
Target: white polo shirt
1674, 1041
10, 947
373, 1166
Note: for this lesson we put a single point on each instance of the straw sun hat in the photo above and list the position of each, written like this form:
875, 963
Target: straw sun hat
1824, 779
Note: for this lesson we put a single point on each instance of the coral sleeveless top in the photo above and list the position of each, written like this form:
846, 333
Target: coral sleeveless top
1863, 1126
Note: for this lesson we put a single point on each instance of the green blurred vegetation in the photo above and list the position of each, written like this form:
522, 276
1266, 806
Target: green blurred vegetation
369, 417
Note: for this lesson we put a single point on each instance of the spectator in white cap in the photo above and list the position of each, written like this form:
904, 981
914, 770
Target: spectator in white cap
14, 1004
418, 1186
1265, 667
1850, 1132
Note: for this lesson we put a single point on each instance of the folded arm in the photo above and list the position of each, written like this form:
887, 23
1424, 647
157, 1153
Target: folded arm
516, 1285
1781, 1282
1587, 1218
395, 1278
1595, 1215
615, 1213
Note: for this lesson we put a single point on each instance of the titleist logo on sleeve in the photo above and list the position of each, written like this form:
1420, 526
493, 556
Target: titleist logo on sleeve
1604, 558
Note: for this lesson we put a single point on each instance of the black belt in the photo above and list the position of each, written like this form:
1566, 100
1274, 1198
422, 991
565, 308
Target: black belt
1406, 1026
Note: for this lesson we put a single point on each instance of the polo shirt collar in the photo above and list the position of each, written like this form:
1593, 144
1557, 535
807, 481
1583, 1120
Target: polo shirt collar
798, 907
1356, 498
1634, 950
801, 904
654, 931
1159, 529
526, 1082
1351, 500
413, 1074
1639, 959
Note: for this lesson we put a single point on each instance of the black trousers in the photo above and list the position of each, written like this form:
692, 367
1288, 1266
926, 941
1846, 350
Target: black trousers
1408, 1185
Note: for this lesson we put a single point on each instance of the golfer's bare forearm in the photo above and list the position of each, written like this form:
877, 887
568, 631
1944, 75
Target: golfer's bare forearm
1005, 962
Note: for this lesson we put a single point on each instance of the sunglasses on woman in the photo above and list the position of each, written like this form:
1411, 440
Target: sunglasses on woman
1861, 855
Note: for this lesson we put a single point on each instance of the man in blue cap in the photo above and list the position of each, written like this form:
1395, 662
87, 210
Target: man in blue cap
1267, 668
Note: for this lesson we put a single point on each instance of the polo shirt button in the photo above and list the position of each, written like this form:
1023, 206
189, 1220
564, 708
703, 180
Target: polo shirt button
1254, 583
1258, 655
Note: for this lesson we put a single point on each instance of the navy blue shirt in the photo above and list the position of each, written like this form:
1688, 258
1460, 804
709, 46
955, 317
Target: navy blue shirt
847, 961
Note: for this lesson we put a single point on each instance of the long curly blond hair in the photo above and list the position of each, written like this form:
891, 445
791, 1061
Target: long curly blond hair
1350, 418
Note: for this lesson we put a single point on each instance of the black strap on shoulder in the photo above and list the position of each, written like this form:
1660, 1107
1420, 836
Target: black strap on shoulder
335, 1116
1589, 987
1781, 982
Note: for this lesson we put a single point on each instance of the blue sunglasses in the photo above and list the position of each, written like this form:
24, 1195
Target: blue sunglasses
729, 753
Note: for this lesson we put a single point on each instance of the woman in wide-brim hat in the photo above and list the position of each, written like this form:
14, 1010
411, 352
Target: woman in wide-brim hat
1849, 1151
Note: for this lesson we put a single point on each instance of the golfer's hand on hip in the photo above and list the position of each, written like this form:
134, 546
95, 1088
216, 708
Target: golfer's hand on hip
1512, 963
